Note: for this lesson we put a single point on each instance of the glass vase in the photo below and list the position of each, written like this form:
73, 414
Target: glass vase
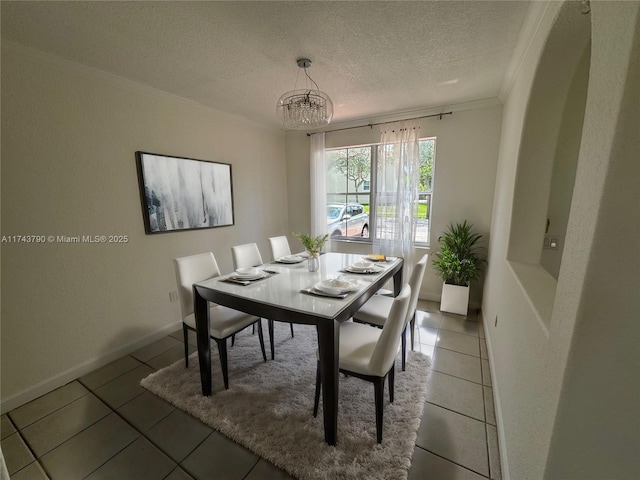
313, 261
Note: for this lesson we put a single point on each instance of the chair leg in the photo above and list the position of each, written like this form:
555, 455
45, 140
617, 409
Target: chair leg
378, 387
412, 322
233, 339
270, 325
404, 348
222, 350
253, 329
392, 381
185, 336
291, 325
261, 337
316, 399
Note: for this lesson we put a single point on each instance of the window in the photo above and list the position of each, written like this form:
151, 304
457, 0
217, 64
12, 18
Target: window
351, 186
347, 199
427, 152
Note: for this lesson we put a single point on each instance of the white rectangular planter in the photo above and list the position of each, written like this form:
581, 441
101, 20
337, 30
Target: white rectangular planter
455, 299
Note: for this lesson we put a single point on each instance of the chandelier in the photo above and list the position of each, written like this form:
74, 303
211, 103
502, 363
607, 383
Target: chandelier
306, 108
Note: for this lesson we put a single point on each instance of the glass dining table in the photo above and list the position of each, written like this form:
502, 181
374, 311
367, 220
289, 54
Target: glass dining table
286, 295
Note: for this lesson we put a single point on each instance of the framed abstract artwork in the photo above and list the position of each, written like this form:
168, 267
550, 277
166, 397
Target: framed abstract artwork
184, 193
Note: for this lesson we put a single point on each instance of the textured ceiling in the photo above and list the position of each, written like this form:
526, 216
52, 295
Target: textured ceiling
371, 58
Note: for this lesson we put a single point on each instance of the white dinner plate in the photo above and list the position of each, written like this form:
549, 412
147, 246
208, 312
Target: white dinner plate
361, 266
336, 286
372, 269
248, 273
290, 259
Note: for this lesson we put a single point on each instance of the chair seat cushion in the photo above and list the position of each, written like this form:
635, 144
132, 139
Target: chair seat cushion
224, 321
375, 311
357, 343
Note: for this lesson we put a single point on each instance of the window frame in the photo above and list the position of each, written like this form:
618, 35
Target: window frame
372, 192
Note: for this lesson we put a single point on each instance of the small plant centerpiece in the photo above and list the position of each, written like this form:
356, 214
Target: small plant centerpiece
458, 262
313, 245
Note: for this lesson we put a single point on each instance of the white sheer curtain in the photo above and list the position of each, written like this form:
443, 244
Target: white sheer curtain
397, 192
318, 171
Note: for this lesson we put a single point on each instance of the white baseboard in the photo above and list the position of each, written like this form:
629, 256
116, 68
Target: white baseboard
504, 463
77, 371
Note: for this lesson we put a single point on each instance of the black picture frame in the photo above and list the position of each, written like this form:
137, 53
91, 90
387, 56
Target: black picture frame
180, 193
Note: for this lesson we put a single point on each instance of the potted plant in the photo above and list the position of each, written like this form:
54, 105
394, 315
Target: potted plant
313, 245
458, 263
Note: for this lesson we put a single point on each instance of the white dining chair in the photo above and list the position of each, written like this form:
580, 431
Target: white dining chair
376, 310
369, 353
248, 255
224, 321
279, 247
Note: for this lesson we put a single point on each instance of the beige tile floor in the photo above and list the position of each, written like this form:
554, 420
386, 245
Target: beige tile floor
105, 426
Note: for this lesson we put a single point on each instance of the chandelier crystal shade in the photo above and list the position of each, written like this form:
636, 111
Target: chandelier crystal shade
304, 109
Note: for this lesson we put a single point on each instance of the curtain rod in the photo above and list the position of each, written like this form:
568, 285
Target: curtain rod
371, 125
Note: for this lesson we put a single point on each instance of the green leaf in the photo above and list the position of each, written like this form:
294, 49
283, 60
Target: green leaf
312, 244
458, 262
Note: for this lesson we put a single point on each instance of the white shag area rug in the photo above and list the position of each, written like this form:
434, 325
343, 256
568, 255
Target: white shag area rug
269, 408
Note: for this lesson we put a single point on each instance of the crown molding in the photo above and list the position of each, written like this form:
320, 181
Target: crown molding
92, 73
528, 32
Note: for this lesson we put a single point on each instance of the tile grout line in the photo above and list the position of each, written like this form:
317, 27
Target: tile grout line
472, 335
78, 433
140, 434
136, 428
92, 390
454, 411
144, 435
114, 455
456, 351
455, 376
183, 467
484, 403
461, 353
8, 414
252, 468
88, 426
451, 461
26, 444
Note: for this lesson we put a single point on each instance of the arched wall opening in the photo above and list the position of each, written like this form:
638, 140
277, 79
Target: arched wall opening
548, 157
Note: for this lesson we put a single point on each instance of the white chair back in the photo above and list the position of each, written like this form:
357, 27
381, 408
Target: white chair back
415, 282
247, 255
192, 269
279, 247
385, 350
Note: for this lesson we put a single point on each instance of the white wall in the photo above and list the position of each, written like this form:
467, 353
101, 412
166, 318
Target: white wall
567, 390
465, 170
69, 136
